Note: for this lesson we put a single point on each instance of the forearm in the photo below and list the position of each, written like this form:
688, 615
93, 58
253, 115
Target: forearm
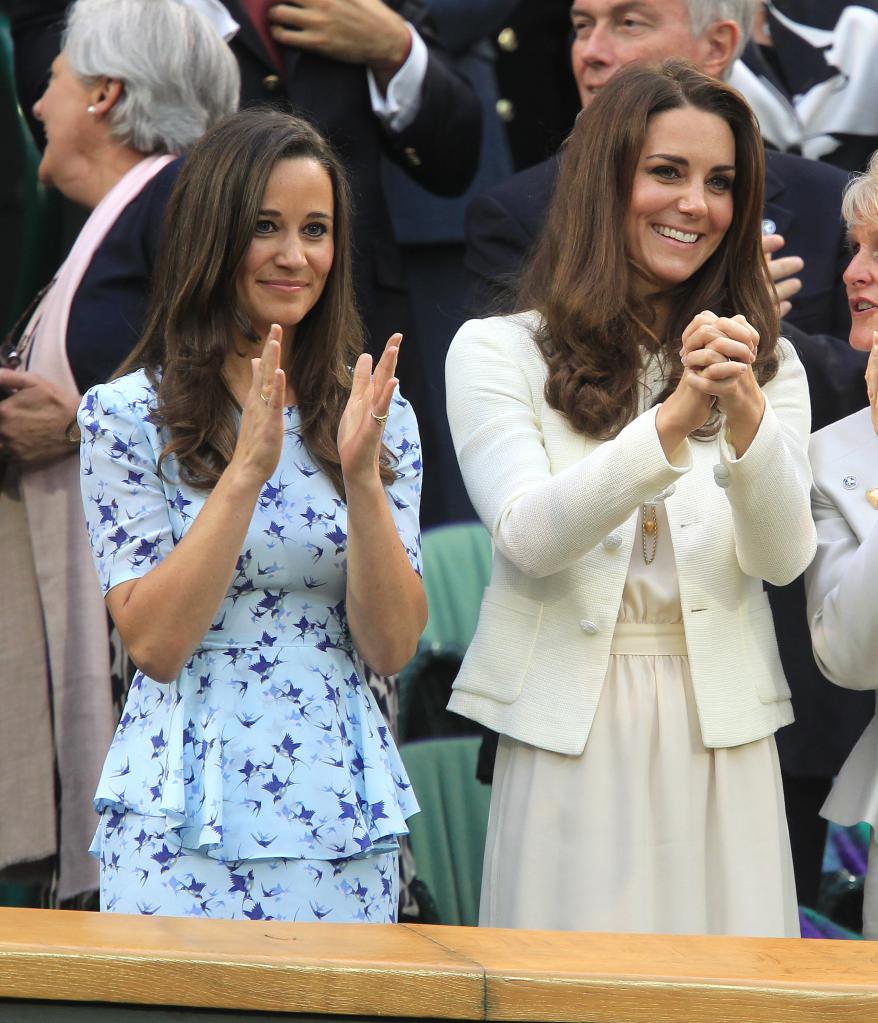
163, 616
743, 420
386, 606
543, 521
768, 490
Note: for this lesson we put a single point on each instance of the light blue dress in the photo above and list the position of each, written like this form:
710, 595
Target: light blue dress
265, 767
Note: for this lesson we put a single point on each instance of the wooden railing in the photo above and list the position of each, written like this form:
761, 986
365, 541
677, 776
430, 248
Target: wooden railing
53, 962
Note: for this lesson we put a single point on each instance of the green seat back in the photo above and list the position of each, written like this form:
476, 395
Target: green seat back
457, 567
448, 835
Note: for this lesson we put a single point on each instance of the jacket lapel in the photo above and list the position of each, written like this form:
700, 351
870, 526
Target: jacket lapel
774, 208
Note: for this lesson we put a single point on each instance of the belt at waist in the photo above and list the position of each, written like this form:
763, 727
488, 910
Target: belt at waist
649, 639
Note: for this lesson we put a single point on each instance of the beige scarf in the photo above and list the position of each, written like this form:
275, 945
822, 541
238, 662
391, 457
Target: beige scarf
74, 617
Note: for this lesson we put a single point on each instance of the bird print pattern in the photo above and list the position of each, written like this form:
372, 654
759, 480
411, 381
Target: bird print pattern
269, 745
142, 874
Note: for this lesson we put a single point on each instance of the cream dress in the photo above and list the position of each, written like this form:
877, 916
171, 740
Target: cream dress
647, 830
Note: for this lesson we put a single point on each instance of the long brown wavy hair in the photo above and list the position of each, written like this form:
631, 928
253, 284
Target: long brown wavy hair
581, 279
195, 317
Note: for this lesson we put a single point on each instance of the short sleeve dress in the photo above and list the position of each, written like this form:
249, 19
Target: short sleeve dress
262, 782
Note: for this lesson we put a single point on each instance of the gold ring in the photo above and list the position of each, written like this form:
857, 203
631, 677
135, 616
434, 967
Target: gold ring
379, 419
266, 400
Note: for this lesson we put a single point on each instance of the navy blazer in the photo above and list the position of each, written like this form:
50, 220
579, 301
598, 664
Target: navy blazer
803, 198
109, 309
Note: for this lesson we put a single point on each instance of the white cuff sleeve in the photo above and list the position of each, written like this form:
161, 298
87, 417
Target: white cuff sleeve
403, 100
217, 15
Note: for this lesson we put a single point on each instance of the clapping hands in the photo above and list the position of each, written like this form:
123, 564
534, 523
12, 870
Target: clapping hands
261, 435
362, 423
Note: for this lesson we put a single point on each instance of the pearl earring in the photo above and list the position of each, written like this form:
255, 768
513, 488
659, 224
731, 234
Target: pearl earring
91, 108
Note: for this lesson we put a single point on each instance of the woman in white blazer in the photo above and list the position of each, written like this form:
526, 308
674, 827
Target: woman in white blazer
841, 582
635, 440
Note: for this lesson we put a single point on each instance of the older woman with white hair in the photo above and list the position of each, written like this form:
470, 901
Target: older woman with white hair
842, 609
137, 82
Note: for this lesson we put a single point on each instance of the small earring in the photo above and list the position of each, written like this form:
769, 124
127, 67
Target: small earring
91, 108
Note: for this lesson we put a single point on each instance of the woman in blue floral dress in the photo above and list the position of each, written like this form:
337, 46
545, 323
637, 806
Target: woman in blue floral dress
252, 507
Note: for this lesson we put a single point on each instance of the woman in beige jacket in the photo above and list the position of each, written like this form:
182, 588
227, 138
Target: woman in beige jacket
635, 440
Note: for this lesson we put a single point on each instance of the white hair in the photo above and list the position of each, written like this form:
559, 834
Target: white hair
703, 13
859, 207
178, 76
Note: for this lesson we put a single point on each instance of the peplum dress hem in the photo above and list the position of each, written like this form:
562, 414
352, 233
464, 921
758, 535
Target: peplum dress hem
269, 744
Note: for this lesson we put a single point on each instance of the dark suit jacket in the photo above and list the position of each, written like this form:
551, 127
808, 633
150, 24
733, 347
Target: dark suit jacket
439, 149
803, 199
109, 308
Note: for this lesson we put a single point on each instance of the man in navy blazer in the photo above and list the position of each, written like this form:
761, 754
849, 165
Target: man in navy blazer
802, 204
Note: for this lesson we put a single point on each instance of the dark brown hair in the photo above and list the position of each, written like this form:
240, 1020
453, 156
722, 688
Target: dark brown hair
581, 278
195, 317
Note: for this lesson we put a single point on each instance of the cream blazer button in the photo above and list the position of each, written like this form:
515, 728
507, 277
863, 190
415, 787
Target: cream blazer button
721, 476
612, 541
589, 628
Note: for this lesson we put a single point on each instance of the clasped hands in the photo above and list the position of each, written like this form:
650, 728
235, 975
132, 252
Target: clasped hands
717, 353
34, 418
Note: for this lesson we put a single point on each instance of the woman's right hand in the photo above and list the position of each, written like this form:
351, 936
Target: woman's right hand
261, 434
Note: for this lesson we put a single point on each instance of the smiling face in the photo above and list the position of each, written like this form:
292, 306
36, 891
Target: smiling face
608, 34
286, 265
681, 199
861, 281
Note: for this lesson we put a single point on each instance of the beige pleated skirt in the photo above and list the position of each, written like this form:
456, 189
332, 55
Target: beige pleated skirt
647, 830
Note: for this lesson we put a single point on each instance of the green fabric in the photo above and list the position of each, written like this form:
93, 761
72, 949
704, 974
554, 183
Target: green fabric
448, 835
38, 206
457, 567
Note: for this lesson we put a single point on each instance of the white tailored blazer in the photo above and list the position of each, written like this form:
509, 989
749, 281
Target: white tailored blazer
562, 510
842, 592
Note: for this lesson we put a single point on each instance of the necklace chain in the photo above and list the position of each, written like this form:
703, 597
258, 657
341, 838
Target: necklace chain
648, 533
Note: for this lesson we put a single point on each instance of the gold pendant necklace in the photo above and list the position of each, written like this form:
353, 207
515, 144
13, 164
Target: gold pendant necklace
648, 533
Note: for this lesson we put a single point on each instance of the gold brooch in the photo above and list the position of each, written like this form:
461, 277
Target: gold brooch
872, 497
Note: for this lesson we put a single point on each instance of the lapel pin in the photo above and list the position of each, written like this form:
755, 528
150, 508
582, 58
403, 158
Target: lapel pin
850, 482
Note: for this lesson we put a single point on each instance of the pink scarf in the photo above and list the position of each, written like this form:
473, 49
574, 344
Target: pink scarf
73, 607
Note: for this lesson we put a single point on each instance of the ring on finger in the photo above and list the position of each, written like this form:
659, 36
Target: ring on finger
265, 398
380, 419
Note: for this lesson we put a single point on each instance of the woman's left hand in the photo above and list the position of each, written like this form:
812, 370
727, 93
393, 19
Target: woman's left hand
362, 423
34, 418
